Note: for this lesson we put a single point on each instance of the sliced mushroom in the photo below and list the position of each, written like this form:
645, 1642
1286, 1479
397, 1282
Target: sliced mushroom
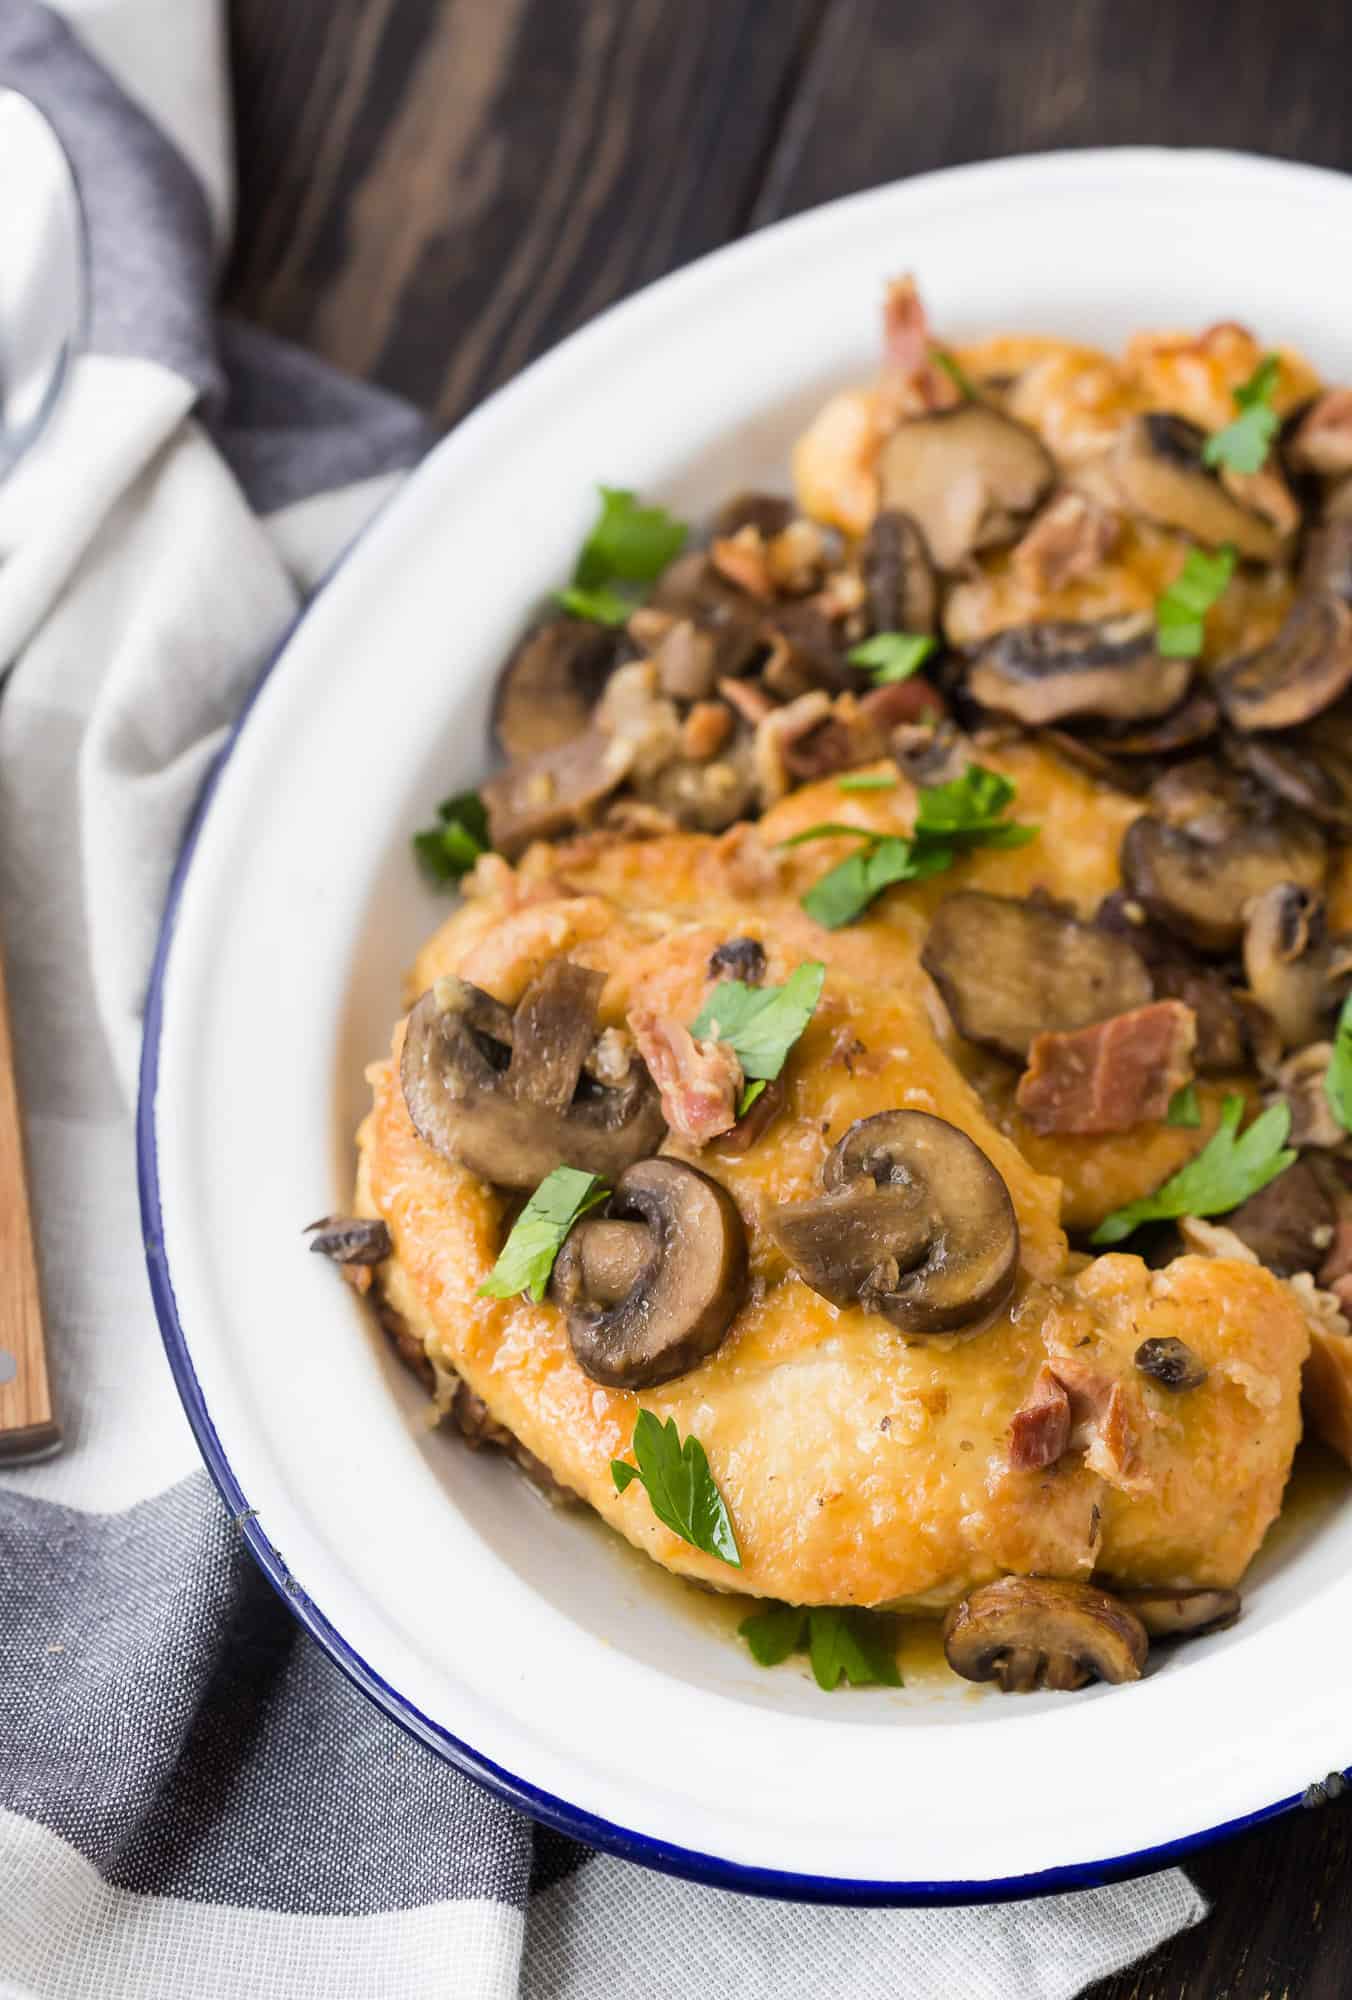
1302, 1084
1310, 768
350, 1239
1294, 970
1043, 673
1171, 1363
505, 1094
1027, 1632
1208, 846
1182, 1614
931, 753
551, 683
1156, 466
1297, 674
692, 588
686, 1279
1327, 563
899, 580
968, 477
1191, 723
554, 791
1009, 971
769, 513
915, 1224
1289, 1224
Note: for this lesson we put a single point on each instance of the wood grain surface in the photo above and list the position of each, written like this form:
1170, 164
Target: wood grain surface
28, 1427
434, 191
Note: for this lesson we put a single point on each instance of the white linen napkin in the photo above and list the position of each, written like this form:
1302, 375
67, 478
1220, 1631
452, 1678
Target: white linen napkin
193, 1802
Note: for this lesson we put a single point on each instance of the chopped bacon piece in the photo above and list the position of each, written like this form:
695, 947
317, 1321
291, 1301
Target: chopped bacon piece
698, 1082
1100, 1419
741, 560
913, 381
1040, 1431
1119, 1073
1069, 538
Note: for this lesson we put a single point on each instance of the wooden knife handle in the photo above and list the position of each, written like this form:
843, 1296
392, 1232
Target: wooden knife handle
28, 1426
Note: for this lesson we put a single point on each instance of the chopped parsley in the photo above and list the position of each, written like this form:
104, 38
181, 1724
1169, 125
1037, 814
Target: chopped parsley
868, 781
1244, 443
1184, 1108
629, 545
1338, 1077
892, 656
1180, 611
955, 372
537, 1235
679, 1485
450, 848
760, 1024
840, 1643
1230, 1167
950, 821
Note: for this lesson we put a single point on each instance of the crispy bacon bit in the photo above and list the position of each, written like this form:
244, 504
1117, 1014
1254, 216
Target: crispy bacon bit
1323, 439
796, 557
1040, 1431
698, 1082
1069, 538
776, 752
751, 702
741, 560
912, 380
1107, 1078
1100, 1420
705, 730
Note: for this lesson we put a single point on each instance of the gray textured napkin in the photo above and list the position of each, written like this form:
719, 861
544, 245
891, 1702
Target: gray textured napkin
193, 1802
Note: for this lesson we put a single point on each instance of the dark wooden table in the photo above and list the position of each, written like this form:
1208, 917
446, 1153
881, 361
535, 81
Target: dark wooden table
433, 191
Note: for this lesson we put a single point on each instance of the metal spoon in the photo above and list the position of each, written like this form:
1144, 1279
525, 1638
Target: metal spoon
43, 303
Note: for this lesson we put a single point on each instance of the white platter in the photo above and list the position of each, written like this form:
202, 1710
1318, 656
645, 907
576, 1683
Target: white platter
526, 1646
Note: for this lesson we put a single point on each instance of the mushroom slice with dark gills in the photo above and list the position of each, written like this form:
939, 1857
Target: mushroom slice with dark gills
968, 477
900, 588
1297, 674
1182, 728
915, 1224
1311, 768
1157, 470
1208, 846
651, 1289
1182, 1614
554, 791
507, 1094
1293, 968
1009, 970
692, 588
551, 683
1027, 1632
1044, 673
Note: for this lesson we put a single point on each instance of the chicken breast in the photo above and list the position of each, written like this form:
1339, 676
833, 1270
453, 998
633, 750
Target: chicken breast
859, 1466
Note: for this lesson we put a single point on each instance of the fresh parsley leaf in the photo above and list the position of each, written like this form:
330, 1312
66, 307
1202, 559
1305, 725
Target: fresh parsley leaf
1184, 1108
840, 1642
775, 1633
1180, 611
749, 1095
1226, 1172
450, 849
892, 656
536, 1238
868, 781
603, 607
629, 543
680, 1487
1338, 1077
760, 1024
955, 372
950, 820
1244, 443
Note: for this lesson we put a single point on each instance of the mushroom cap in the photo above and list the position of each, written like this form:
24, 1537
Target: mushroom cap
651, 1288
512, 1124
1010, 970
1288, 1224
554, 790
1157, 468
1208, 846
915, 1224
1311, 768
1292, 969
1027, 1632
1061, 667
900, 587
550, 684
968, 477
1300, 671
1182, 1614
